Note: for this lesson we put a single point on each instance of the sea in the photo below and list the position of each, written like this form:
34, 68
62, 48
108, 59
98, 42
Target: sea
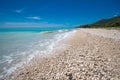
20, 45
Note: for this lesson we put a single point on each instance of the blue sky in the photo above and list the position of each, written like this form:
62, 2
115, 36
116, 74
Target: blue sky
55, 13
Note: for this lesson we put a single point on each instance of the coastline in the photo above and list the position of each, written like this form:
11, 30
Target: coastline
87, 54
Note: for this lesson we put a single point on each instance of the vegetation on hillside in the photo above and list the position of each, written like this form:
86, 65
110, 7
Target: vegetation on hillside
104, 23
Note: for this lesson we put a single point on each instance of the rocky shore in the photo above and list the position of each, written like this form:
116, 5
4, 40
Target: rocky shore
90, 54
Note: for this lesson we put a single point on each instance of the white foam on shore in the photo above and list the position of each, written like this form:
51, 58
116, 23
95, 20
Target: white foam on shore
50, 44
59, 37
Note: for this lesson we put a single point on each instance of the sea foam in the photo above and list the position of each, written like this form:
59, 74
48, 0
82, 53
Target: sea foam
35, 44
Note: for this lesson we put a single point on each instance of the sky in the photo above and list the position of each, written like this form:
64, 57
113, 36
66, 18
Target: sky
55, 13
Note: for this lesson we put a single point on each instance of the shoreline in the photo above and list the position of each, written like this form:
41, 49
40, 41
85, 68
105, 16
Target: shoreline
87, 55
41, 48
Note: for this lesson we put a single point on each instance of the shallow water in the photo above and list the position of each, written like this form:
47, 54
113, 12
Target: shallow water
18, 47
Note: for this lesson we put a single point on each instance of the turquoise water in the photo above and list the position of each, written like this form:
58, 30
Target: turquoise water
17, 46
32, 29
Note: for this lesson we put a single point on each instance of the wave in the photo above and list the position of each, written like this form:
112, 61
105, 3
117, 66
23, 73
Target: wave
43, 44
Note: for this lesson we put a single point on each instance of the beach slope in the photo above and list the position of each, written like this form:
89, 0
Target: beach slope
89, 54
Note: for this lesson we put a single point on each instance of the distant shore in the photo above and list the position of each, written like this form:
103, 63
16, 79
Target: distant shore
89, 54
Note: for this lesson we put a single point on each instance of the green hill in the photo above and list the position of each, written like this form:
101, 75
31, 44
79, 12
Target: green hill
104, 23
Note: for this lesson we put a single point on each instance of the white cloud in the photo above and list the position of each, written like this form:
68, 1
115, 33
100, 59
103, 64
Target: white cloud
18, 10
34, 18
115, 15
32, 24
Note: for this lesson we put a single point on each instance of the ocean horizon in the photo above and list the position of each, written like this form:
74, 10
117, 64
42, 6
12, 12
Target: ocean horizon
32, 29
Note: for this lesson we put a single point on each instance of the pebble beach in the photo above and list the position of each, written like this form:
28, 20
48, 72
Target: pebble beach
89, 54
